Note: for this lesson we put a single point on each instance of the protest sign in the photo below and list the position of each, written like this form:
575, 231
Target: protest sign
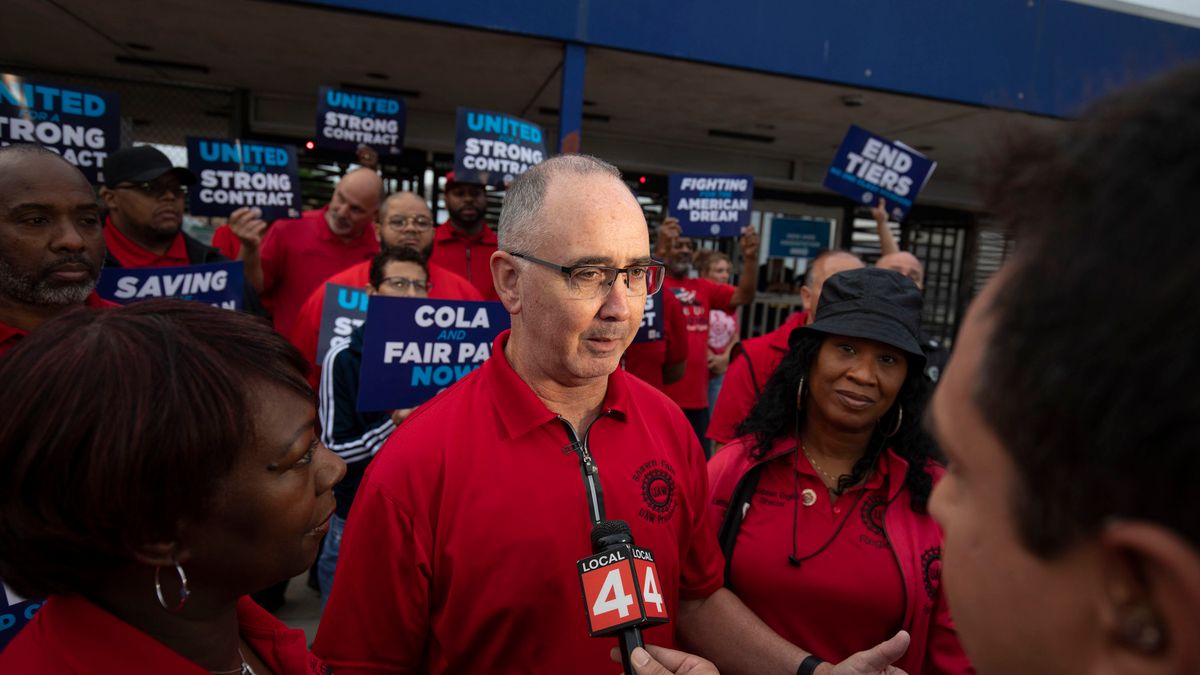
219, 284
346, 119
868, 167
415, 347
709, 205
343, 310
652, 321
15, 612
83, 126
798, 237
241, 173
493, 148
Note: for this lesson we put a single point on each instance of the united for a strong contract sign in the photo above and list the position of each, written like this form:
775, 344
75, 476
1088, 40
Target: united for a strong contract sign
493, 148
346, 119
237, 173
83, 126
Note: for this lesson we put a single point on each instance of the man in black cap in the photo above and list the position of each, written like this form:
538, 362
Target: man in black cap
144, 194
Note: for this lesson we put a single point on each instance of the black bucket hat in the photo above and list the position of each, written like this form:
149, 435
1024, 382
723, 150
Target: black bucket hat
142, 164
871, 303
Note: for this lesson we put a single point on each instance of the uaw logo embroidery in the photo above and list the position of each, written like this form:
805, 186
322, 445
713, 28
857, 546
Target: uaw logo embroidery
657, 481
931, 563
872, 514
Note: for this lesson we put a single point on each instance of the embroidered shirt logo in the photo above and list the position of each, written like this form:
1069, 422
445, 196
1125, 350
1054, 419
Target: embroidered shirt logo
656, 479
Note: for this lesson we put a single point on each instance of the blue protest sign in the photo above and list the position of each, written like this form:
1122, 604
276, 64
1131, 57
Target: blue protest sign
415, 347
343, 310
346, 119
236, 173
709, 205
493, 148
82, 125
652, 321
15, 612
798, 237
219, 284
868, 167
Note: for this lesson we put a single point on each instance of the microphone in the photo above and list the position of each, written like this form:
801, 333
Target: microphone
617, 565
613, 535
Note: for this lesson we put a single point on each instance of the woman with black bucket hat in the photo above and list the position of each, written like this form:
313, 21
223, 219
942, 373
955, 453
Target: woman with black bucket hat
821, 502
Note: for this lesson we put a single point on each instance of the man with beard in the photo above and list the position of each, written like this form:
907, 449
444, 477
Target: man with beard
464, 244
698, 297
51, 240
293, 257
405, 221
144, 194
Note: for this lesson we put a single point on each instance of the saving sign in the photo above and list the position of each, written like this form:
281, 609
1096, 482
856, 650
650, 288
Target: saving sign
868, 167
218, 284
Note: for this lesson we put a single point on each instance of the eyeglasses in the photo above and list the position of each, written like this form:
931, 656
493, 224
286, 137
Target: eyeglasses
402, 284
156, 190
586, 281
400, 222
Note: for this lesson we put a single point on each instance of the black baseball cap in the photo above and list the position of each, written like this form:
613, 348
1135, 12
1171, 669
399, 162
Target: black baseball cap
141, 164
875, 304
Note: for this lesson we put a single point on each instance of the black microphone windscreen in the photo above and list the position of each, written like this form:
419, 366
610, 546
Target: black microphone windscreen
609, 533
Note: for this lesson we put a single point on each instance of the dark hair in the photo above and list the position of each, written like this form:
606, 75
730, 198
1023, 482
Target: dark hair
398, 254
117, 424
1091, 375
774, 416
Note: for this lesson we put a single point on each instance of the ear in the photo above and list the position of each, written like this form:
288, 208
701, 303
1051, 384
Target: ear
378, 231
806, 300
109, 197
506, 274
1152, 599
162, 554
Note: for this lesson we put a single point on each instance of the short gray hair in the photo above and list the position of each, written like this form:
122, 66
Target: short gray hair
519, 229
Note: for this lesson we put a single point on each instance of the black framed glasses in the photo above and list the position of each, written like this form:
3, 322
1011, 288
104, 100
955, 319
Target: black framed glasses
403, 284
586, 281
400, 222
156, 190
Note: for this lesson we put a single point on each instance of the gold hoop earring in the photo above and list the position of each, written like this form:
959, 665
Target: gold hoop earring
800, 395
899, 420
184, 592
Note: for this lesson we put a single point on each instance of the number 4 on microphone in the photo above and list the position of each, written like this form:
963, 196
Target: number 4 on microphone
610, 581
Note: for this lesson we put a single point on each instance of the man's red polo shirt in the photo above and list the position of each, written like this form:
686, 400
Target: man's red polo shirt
298, 255
71, 635
646, 359
459, 554
11, 335
306, 329
698, 296
747, 375
130, 254
467, 255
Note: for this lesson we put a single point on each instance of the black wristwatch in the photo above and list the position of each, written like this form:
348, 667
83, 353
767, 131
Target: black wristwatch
809, 665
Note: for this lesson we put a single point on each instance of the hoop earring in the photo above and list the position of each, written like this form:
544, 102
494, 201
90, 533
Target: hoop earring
184, 592
800, 395
899, 419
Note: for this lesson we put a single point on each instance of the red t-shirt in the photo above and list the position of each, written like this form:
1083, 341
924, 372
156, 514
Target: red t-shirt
225, 241
747, 375
131, 254
467, 255
70, 635
698, 297
11, 335
460, 551
297, 255
646, 359
852, 592
306, 329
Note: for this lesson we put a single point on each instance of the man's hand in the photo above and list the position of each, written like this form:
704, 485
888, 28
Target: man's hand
660, 661
879, 212
248, 226
401, 414
367, 157
749, 244
877, 660
718, 363
668, 232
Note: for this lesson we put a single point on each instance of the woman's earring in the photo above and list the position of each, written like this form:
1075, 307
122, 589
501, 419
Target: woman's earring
183, 589
800, 395
899, 420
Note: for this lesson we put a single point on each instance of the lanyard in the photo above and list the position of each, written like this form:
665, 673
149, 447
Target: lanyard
587, 467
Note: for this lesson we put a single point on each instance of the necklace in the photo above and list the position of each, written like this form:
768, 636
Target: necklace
244, 669
816, 466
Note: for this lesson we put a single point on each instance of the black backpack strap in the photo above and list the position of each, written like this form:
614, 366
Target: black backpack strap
750, 367
739, 502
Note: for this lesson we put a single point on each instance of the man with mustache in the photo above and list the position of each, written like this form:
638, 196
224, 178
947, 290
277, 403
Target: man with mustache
145, 196
464, 243
405, 221
286, 262
51, 241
